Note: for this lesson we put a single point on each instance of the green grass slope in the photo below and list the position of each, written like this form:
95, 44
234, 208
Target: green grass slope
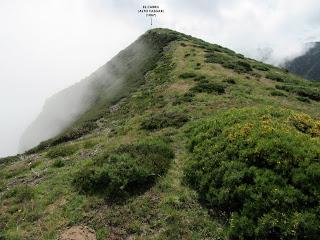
207, 145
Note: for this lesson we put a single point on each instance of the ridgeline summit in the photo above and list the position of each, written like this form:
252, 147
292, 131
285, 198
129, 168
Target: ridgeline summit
173, 138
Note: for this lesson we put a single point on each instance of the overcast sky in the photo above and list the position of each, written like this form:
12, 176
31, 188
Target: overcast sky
47, 45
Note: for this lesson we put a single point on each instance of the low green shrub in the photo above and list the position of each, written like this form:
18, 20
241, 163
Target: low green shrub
220, 49
129, 169
76, 132
238, 66
20, 193
240, 56
275, 76
230, 81
277, 93
58, 163
261, 168
68, 135
199, 78
244, 66
208, 87
61, 151
217, 58
302, 91
198, 66
187, 75
261, 67
163, 120
187, 97
304, 99
8, 160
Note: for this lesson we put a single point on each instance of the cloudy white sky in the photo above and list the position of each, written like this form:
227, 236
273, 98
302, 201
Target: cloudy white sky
47, 45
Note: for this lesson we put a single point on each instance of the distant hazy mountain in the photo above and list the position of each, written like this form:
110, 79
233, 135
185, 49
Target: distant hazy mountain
307, 65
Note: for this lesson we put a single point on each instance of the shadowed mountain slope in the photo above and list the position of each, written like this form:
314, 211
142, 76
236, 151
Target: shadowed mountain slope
307, 65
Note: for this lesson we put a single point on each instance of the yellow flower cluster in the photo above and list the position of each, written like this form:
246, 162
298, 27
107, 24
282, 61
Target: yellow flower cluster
306, 124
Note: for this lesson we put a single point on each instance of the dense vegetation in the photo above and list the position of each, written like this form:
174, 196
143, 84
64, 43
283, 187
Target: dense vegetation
126, 170
195, 144
163, 120
261, 167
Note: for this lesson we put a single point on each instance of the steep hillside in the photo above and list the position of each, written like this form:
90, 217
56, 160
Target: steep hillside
92, 96
202, 144
307, 65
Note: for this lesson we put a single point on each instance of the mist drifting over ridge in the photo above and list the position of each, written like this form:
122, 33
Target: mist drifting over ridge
75, 110
56, 43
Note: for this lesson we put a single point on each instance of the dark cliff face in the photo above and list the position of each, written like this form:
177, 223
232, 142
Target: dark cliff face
91, 97
307, 65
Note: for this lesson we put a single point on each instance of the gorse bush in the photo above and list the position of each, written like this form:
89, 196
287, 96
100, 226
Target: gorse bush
304, 123
262, 168
163, 120
127, 170
208, 87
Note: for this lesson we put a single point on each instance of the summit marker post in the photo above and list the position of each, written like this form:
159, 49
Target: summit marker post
151, 11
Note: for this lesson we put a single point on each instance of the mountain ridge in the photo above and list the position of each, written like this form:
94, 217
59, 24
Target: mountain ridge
55, 116
208, 145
